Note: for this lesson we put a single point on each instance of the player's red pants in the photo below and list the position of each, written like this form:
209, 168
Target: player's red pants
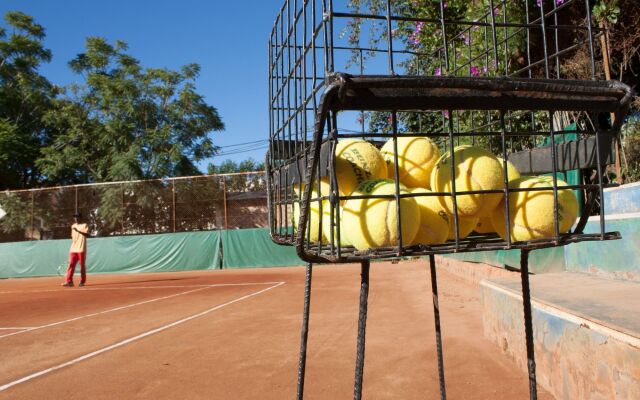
73, 260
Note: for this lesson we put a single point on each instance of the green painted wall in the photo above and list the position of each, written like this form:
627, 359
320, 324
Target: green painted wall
540, 261
612, 258
615, 258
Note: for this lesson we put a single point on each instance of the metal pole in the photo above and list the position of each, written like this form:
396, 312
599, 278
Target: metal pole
76, 208
304, 334
173, 195
528, 324
224, 194
362, 328
32, 211
122, 215
436, 317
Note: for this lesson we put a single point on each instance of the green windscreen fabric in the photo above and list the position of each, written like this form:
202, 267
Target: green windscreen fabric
122, 254
34, 258
251, 248
571, 177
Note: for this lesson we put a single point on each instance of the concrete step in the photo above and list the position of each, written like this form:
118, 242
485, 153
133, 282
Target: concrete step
586, 332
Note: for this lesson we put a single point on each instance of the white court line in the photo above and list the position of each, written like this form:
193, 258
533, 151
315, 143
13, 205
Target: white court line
86, 289
100, 312
17, 328
199, 287
132, 339
129, 306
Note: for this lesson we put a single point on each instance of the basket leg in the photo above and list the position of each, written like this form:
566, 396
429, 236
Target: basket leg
362, 327
436, 317
304, 334
528, 324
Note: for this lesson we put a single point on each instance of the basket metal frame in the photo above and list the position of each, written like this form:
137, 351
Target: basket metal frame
308, 93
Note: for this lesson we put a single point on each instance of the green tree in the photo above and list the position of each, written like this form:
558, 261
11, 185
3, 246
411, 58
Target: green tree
240, 183
128, 122
230, 167
25, 97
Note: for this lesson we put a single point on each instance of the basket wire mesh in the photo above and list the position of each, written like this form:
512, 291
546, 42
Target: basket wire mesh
496, 78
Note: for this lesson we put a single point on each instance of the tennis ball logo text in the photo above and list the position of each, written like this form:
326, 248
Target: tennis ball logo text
361, 171
370, 185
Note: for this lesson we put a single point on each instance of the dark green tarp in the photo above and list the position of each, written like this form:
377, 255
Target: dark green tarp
251, 248
123, 254
571, 177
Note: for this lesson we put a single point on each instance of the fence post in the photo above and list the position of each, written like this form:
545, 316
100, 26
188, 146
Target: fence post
173, 190
122, 214
224, 194
32, 211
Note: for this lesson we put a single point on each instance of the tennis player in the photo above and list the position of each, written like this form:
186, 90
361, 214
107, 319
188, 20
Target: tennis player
78, 251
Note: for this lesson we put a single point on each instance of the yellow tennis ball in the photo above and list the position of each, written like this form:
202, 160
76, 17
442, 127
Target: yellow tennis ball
512, 171
475, 169
531, 213
416, 158
314, 220
326, 227
484, 225
434, 222
357, 161
372, 222
465, 227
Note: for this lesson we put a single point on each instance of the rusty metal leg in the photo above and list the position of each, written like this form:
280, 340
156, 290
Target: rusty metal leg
362, 327
436, 317
528, 323
304, 332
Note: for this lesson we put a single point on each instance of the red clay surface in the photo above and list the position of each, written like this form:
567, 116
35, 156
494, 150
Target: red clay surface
113, 338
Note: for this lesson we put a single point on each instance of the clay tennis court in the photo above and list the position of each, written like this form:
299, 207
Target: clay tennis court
235, 334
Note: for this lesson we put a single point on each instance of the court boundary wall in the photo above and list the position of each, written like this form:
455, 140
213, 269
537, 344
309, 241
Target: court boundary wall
169, 252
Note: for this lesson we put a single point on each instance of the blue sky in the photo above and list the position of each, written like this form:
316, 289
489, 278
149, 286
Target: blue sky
227, 38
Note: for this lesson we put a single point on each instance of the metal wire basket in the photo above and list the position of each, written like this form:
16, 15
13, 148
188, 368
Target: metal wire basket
472, 89
520, 79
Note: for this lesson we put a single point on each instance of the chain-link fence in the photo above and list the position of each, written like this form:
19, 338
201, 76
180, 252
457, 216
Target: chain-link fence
229, 201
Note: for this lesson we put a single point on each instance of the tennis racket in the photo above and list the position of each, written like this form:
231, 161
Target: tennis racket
61, 269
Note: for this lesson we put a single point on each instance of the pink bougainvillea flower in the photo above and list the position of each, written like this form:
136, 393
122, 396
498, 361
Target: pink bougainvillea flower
475, 71
415, 36
437, 72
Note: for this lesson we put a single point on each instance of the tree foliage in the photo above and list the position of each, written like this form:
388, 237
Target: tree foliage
122, 121
473, 49
240, 183
128, 122
25, 97
230, 167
